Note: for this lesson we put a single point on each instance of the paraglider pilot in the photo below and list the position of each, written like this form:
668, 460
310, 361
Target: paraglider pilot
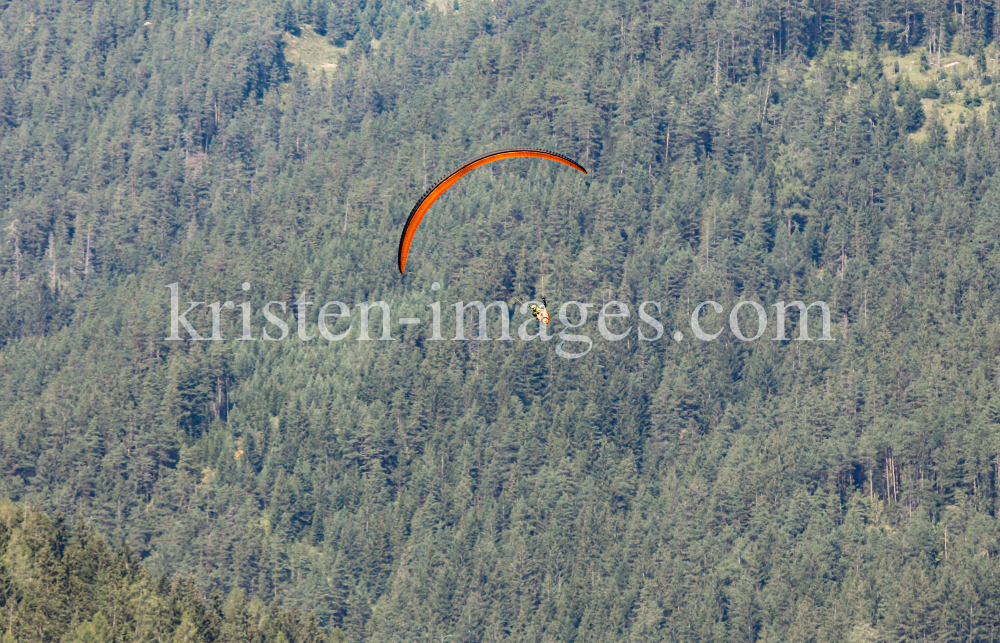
542, 313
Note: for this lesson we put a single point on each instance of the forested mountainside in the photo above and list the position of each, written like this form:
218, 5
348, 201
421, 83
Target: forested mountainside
62, 584
467, 491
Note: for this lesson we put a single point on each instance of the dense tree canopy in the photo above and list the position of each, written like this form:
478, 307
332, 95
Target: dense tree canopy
409, 490
61, 584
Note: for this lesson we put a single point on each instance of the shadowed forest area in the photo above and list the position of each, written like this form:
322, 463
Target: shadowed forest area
416, 490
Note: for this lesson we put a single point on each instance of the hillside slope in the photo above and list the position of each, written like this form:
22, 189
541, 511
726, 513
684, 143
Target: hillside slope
409, 490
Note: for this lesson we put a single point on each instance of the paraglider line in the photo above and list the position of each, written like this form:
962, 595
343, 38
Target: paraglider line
488, 275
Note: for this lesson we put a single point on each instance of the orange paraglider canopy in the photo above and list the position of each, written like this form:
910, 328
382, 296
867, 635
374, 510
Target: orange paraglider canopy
426, 201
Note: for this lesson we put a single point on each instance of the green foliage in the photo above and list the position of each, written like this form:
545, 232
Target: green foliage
67, 585
470, 491
96, 630
913, 111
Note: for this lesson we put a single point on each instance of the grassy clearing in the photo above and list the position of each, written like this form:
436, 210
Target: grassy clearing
957, 80
952, 116
312, 52
444, 6
955, 76
922, 76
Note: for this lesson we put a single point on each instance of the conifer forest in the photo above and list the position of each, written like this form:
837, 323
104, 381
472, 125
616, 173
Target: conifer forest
298, 488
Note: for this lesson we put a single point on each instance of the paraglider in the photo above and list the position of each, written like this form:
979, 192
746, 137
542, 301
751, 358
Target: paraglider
541, 313
432, 195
